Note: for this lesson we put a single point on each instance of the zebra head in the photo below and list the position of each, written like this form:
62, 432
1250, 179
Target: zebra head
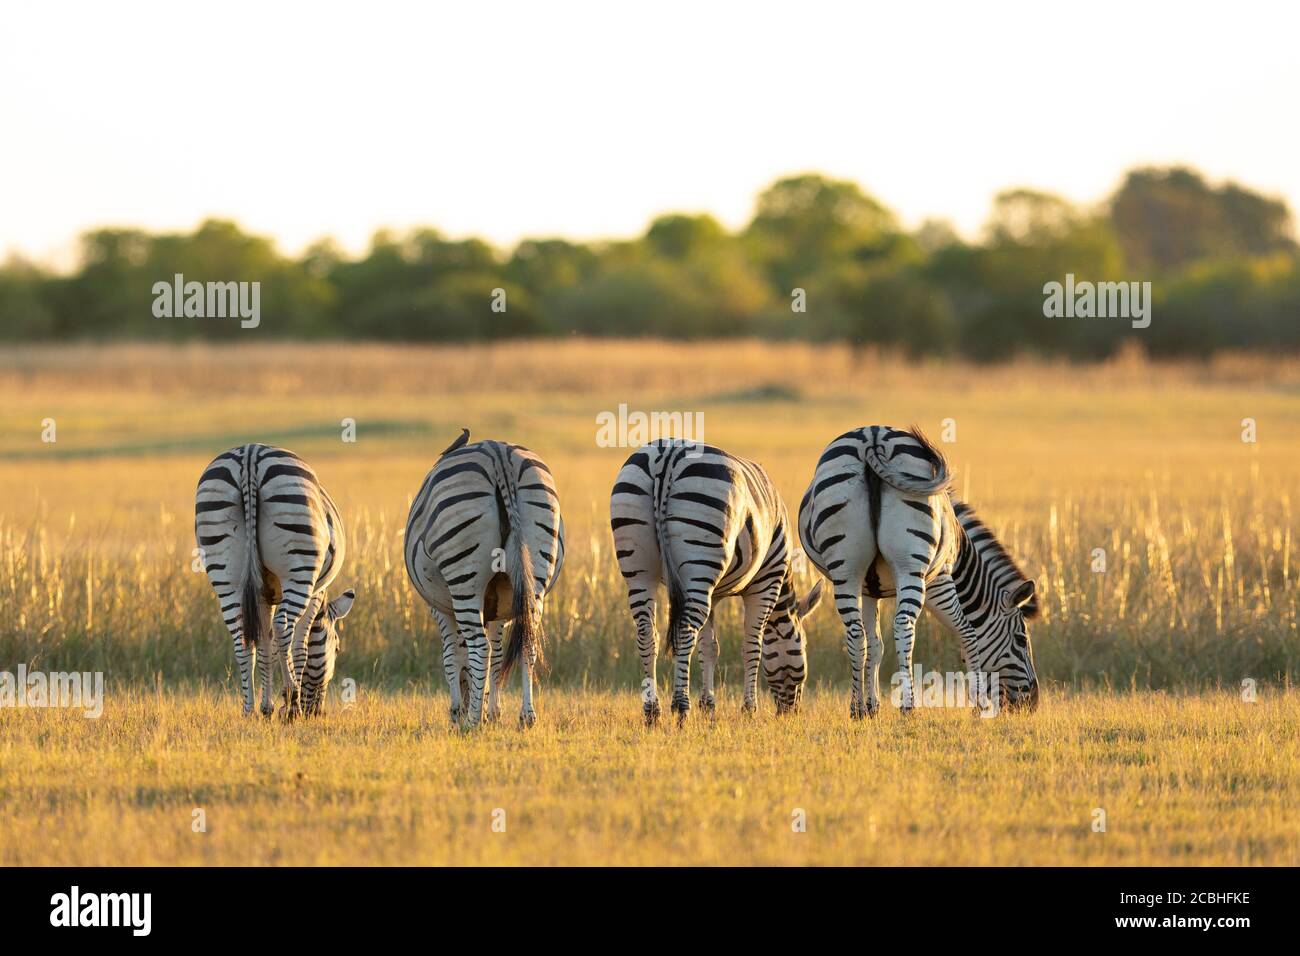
998, 601
1003, 646
324, 647
785, 647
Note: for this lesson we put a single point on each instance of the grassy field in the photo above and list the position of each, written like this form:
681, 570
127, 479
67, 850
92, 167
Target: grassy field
1201, 779
1143, 663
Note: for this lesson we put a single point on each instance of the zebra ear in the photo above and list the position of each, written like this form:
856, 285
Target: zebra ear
340, 606
1023, 594
811, 599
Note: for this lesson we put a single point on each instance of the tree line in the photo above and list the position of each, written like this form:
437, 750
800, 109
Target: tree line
820, 259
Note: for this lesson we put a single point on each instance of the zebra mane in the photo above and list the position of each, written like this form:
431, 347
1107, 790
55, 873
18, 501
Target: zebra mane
991, 552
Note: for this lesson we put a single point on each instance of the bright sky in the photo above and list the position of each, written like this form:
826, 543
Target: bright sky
586, 120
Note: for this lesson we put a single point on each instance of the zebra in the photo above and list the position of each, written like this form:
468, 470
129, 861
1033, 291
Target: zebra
322, 649
270, 537
708, 525
484, 547
879, 519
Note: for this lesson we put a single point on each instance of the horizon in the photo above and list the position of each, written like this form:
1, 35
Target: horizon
67, 259
551, 130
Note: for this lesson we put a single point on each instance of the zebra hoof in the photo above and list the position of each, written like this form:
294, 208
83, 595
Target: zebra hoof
858, 710
527, 720
707, 704
749, 709
651, 713
682, 709
905, 711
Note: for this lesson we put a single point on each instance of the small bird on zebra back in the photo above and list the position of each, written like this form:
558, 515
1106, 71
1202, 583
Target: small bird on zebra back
708, 525
879, 520
272, 544
484, 547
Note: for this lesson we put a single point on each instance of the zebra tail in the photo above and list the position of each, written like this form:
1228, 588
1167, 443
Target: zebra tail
676, 595
251, 619
894, 476
676, 602
525, 633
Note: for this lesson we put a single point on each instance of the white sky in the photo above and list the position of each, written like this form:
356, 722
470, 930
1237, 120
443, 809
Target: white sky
586, 120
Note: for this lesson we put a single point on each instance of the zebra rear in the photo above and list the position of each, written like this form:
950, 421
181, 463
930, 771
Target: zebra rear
879, 521
708, 525
271, 537
484, 546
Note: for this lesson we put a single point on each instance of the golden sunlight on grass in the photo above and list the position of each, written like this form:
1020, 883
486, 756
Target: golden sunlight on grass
1140, 467
1181, 779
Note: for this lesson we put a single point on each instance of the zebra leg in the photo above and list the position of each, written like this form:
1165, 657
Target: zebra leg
527, 662
758, 609
469, 620
243, 655
693, 618
875, 654
849, 607
941, 599
297, 593
244, 660
640, 598
708, 660
492, 702
911, 598
452, 663
296, 702
751, 654
265, 674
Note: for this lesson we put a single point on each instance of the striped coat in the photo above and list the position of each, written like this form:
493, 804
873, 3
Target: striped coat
708, 525
272, 543
484, 546
878, 521
322, 650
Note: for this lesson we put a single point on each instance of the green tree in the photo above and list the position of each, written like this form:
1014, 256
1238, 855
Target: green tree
996, 288
804, 224
678, 236
1170, 218
25, 310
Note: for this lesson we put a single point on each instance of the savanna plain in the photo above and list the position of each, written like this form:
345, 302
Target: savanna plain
1152, 503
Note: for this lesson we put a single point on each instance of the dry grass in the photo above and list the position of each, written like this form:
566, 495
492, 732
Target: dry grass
1205, 779
1199, 594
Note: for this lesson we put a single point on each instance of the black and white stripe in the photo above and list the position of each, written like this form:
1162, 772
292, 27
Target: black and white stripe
271, 538
484, 546
708, 525
878, 520
322, 649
